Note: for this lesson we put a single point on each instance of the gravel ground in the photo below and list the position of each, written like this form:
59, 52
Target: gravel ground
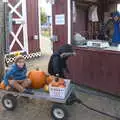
40, 110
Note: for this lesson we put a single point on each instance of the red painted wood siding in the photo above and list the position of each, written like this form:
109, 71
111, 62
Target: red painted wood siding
33, 25
97, 69
60, 7
16, 47
81, 22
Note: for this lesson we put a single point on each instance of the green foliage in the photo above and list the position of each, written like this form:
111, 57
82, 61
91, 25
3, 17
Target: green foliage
43, 16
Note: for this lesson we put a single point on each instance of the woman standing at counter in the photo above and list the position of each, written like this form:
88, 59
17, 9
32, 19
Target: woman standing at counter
112, 29
58, 61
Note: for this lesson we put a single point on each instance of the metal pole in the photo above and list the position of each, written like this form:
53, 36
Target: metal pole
4, 27
6, 30
2, 38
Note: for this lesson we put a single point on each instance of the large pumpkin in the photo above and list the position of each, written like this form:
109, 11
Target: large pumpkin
38, 79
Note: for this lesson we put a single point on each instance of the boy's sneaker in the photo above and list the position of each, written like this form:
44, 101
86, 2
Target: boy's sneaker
27, 91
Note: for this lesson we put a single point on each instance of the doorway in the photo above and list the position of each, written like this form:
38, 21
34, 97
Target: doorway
118, 7
45, 26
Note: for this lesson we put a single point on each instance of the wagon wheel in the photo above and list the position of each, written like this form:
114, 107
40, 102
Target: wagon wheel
72, 99
9, 102
58, 112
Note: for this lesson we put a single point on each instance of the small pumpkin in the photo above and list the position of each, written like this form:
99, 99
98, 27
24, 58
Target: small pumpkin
61, 86
38, 79
55, 84
58, 82
2, 85
61, 81
50, 79
46, 88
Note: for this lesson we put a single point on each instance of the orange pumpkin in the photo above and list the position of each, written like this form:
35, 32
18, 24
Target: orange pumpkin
61, 81
58, 82
38, 79
61, 86
2, 85
50, 79
55, 84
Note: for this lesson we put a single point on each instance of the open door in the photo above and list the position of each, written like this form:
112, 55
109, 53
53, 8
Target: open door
24, 26
60, 22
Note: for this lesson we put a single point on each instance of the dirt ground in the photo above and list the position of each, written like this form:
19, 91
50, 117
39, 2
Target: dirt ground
40, 110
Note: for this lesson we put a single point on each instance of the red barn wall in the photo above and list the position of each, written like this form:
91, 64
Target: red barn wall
15, 27
81, 21
60, 7
33, 25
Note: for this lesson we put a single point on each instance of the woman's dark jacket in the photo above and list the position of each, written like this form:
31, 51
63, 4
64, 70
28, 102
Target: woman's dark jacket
57, 64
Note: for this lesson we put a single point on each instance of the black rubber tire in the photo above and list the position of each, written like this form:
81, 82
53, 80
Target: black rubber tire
72, 99
59, 107
9, 102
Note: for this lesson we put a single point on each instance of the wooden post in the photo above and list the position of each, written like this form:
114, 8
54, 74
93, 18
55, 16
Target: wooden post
2, 37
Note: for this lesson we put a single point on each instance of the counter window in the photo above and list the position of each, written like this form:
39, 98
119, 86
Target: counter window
93, 27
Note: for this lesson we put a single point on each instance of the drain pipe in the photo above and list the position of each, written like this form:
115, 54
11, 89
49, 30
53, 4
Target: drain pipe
5, 43
2, 27
5, 25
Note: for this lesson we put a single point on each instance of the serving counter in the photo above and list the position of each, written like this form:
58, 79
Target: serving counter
96, 68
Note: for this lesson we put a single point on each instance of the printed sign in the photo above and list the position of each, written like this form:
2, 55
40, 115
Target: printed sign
60, 19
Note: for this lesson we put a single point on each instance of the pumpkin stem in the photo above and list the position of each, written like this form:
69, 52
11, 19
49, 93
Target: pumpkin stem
57, 78
37, 69
47, 75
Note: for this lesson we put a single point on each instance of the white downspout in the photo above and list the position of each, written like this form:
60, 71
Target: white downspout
39, 15
69, 20
25, 26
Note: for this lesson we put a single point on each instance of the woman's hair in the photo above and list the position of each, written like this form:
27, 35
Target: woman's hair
19, 58
113, 14
65, 49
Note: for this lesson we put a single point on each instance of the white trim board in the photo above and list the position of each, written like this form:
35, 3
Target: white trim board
15, 36
69, 20
20, 51
25, 27
22, 21
39, 15
14, 8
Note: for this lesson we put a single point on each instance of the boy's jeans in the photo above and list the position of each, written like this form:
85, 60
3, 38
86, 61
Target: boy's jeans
20, 85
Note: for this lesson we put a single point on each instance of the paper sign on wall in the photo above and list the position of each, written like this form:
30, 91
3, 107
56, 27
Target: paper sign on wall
60, 19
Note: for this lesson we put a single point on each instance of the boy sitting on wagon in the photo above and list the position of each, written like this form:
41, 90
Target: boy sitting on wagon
16, 76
